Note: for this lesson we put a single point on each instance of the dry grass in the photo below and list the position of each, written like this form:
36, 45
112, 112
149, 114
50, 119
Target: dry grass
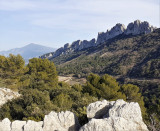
72, 80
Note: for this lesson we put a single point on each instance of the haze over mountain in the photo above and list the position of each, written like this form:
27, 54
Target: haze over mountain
29, 51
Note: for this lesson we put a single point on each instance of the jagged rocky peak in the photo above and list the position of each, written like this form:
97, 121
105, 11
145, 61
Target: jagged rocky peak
75, 45
138, 27
79, 45
115, 31
86, 44
134, 28
66, 46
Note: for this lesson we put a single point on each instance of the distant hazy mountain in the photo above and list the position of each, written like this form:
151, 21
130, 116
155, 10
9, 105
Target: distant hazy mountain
29, 51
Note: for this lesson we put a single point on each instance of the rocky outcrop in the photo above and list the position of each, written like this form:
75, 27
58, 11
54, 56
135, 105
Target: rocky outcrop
103, 116
75, 46
116, 124
33, 126
63, 121
18, 125
120, 116
138, 27
134, 28
86, 44
98, 109
7, 94
115, 31
5, 125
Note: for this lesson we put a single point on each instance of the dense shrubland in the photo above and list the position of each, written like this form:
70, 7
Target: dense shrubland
12, 68
131, 56
41, 92
126, 58
151, 92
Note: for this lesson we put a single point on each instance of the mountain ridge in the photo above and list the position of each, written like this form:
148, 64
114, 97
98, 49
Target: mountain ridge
29, 51
135, 28
123, 55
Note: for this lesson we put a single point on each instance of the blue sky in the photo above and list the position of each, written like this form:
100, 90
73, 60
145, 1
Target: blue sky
56, 22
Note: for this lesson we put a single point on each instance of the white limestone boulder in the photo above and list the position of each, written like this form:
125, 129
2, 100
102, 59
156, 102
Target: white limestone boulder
103, 115
33, 126
116, 124
7, 94
63, 121
114, 116
5, 125
18, 125
128, 111
98, 109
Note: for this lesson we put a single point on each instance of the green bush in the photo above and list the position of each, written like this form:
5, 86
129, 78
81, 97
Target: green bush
41, 92
103, 87
12, 68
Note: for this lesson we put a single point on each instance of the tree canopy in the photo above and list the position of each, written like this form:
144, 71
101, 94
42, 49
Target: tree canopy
41, 92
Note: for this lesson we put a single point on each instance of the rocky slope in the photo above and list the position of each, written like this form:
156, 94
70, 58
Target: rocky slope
135, 28
124, 56
7, 94
103, 116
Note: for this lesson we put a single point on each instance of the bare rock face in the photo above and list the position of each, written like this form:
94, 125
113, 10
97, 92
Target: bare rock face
18, 125
86, 44
66, 46
63, 121
129, 111
7, 94
103, 116
115, 31
75, 46
98, 109
33, 126
115, 116
97, 125
134, 28
110, 124
138, 27
5, 125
